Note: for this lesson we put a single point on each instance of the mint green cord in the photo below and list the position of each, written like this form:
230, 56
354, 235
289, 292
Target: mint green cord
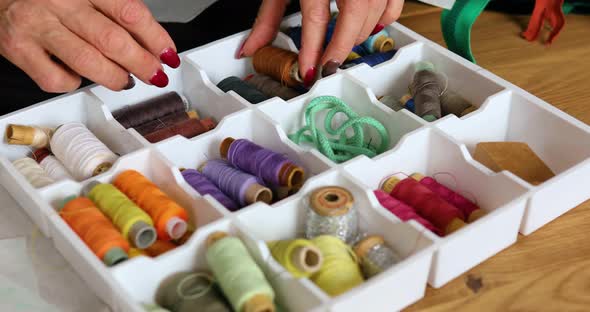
341, 148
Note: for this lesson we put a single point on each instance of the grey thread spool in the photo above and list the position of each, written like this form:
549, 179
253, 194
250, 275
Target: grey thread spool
247, 91
331, 211
391, 102
271, 87
426, 89
375, 256
453, 103
191, 291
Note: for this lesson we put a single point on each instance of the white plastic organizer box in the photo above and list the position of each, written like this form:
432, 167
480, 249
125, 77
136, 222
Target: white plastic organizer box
442, 149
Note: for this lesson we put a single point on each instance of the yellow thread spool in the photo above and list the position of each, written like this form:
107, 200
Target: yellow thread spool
300, 256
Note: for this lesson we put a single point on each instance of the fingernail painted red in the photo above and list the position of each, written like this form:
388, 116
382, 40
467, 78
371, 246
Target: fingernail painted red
240, 52
378, 28
170, 58
309, 77
159, 79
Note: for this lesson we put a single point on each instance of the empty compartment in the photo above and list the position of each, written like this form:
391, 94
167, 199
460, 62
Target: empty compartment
559, 140
394, 77
290, 115
393, 289
433, 154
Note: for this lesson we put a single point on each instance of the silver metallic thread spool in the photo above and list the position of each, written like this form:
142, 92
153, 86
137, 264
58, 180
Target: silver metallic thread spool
331, 212
375, 256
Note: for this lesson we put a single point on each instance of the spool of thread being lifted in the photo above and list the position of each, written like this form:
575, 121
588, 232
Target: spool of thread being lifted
331, 211
273, 168
37, 137
151, 109
375, 256
279, 64
238, 275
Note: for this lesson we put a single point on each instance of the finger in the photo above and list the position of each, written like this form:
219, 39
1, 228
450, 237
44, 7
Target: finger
83, 58
115, 43
316, 16
37, 64
376, 8
348, 26
265, 28
135, 17
392, 12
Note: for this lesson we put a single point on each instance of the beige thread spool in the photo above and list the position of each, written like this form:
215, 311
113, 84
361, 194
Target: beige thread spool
291, 176
37, 137
383, 44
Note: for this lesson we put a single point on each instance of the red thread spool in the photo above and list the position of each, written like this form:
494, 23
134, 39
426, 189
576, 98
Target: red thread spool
427, 203
471, 211
188, 128
40, 154
403, 211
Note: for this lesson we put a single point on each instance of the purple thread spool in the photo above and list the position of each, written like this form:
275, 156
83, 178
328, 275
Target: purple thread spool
201, 184
240, 186
273, 168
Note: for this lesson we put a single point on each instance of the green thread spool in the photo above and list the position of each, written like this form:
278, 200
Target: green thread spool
191, 291
132, 221
241, 280
299, 256
340, 147
340, 271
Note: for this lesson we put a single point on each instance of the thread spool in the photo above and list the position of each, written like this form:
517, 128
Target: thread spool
440, 213
279, 64
426, 88
188, 128
340, 271
375, 256
300, 257
242, 187
32, 172
241, 280
95, 230
80, 151
403, 211
331, 211
134, 223
391, 102
379, 42
470, 211
51, 165
204, 186
136, 252
170, 219
408, 102
151, 109
270, 87
273, 168
452, 103
159, 247
191, 291
164, 122
249, 92
371, 59
468, 110
357, 51
37, 137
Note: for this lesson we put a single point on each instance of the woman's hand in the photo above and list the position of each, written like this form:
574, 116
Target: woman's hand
357, 20
57, 41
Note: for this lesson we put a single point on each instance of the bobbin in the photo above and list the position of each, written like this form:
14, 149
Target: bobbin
141, 234
331, 201
255, 193
27, 135
392, 182
290, 175
383, 44
115, 255
258, 303
307, 258
375, 255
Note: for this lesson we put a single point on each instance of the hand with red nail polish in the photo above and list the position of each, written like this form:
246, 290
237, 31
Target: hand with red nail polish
58, 42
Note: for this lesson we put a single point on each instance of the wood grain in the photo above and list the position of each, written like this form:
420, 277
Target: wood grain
548, 270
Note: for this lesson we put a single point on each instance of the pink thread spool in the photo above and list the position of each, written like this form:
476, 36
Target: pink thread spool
403, 211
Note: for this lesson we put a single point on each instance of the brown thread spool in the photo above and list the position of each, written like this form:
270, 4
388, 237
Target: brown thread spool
453, 226
166, 121
40, 154
271, 87
468, 110
188, 128
279, 64
38, 137
330, 201
290, 175
151, 109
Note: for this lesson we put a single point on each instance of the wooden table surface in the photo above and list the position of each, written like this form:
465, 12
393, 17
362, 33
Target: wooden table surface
548, 270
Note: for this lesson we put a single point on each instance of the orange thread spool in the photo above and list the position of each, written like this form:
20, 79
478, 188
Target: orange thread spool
159, 247
95, 229
279, 64
170, 219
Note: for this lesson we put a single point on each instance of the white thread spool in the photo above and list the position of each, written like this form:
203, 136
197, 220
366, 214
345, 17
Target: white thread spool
33, 172
28, 135
81, 152
54, 168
